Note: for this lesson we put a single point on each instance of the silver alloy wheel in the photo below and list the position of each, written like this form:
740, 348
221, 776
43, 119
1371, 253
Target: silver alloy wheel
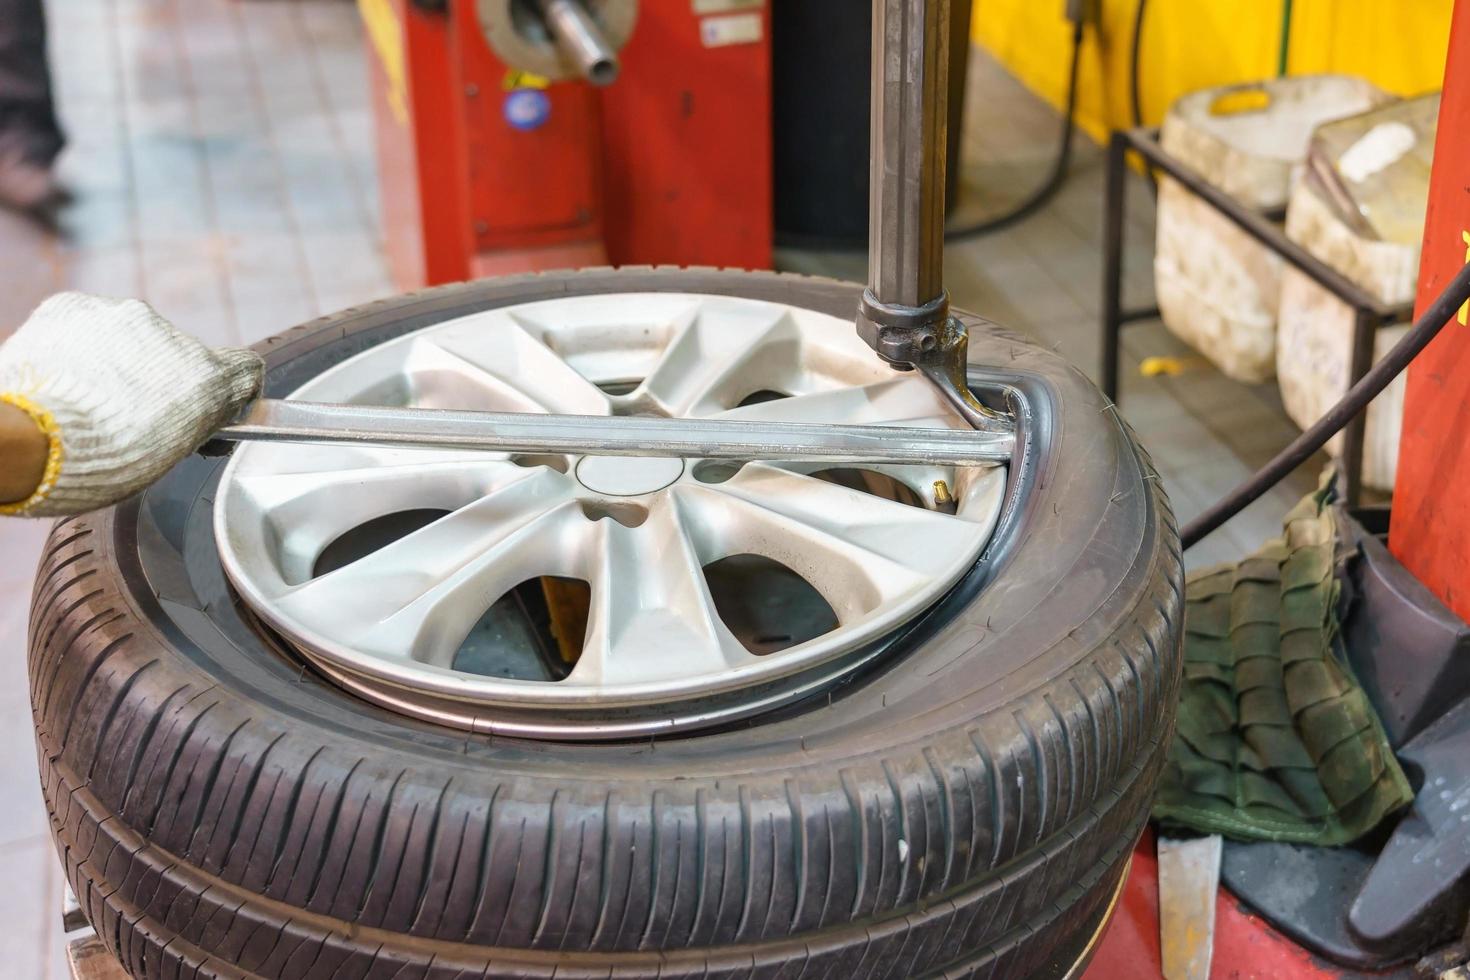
657, 655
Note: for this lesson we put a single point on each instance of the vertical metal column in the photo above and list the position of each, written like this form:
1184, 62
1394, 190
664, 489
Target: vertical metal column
909, 125
904, 313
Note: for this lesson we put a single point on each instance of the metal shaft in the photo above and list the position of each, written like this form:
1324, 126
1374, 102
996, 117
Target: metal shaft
909, 127
904, 312
580, 39
600, 435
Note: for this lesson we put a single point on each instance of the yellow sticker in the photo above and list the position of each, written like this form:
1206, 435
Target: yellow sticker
386, 34
517, 79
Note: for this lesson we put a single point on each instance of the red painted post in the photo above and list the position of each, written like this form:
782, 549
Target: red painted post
419, 140
1430, 530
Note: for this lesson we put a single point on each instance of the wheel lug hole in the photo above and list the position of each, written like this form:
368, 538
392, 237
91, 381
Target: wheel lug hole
625, 512
557, 462
716, 470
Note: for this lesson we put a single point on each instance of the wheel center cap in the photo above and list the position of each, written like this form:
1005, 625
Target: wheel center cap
628, 476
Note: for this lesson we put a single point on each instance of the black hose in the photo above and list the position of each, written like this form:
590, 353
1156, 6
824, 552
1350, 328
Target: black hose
1134, 97
1061, 164
1440, 312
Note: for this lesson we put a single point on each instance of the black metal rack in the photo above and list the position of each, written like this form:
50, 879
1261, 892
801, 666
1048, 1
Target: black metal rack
1368, 312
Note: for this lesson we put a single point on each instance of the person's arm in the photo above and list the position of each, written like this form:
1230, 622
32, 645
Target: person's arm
23, 449
101, 397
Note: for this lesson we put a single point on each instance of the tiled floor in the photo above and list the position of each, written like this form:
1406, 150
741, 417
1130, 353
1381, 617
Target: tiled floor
221, 157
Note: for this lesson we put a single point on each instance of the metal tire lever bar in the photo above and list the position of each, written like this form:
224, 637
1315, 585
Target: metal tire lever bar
271, 420
904, 314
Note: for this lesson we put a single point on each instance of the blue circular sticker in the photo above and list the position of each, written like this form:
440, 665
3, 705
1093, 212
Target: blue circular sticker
527, 108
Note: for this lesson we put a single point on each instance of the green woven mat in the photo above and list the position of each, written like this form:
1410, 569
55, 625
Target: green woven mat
1276, 740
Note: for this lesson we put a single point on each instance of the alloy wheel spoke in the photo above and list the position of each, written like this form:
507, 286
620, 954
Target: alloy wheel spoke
499, 366
892, 401
652, 617
309, 508
700, 370
859, 550
416, 598
922, 479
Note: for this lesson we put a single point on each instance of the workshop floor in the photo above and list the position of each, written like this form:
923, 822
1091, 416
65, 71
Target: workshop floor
221, 158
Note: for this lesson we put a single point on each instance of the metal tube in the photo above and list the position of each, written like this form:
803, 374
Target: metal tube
580, 39
601, 435
904, 312
909, 129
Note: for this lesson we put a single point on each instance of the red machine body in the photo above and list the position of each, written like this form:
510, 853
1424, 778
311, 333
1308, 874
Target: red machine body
1430, 529
486, 169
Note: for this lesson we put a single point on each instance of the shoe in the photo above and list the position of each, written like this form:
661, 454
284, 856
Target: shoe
27, 187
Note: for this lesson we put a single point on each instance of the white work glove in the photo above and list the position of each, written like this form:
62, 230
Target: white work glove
121, 395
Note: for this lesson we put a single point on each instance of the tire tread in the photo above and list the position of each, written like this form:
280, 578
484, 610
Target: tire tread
209, 835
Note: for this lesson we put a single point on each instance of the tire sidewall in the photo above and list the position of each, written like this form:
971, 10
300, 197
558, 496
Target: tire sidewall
1044, 682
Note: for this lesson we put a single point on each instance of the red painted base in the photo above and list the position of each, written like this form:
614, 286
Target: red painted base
1245, 945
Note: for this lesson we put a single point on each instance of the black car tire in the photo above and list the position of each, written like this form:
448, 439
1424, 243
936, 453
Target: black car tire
967, 810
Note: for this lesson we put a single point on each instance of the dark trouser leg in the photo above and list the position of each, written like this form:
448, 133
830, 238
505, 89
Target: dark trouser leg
28, 125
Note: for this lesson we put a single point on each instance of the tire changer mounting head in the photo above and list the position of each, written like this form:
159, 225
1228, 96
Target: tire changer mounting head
904, 314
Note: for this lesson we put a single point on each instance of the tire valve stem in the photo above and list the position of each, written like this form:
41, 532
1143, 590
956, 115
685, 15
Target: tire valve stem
943, 499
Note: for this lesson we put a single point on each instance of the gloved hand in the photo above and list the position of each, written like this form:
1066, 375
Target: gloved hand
120, 394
